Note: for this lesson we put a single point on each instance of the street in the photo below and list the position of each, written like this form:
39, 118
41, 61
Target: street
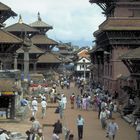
92, 127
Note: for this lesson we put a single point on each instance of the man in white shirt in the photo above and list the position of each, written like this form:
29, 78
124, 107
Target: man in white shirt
3, 135
80, 124
34, 128
55, 136
64, 100
61, 108
43, 105
34, 106
103, 118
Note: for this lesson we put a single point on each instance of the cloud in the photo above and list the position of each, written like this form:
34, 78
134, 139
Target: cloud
72, 20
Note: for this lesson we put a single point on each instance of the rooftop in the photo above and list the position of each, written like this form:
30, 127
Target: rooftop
119, 24
49, 57
21, 27
40, 24
43, 39
8, 38
33, 50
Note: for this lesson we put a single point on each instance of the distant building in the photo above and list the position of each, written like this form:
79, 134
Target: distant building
81, 67
82, 63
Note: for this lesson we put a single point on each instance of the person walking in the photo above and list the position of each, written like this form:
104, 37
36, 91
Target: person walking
80, 124
64, 100
34, 128
61, 108
57, 127
78, 102
43, 105
103, 118
55, 136
3, 135
112, 130
34, 106
72, 100
138, 128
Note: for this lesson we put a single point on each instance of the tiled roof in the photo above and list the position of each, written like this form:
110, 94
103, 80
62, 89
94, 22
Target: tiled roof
49, 57
39, 23
64, 45
133, 54
4, 7
42, 39
6, 37
121, 24
21, 27
33, 49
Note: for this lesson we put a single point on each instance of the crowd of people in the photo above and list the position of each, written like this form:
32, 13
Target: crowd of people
95, 99
87, 99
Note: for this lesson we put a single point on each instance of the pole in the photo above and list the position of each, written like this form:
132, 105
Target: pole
26, 63
84, 69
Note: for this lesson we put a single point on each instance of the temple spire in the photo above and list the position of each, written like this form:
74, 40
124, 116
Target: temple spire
39, 18
20, 19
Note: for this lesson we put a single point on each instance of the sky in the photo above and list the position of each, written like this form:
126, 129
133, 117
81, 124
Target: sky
72, 20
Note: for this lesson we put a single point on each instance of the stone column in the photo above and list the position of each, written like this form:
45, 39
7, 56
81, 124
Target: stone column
15, 61
26, 62
35, 63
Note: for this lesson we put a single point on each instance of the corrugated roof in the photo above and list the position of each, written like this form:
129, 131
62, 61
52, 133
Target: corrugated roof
133, 54
21, 27
49, 58
33, 49
42, 39
6, 37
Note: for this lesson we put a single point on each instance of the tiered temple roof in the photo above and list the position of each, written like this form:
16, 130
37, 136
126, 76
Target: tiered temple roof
121, 24
41, 25
20, 27
106, 5
6, 12
33, 50
49, 57
8, 38
40, 39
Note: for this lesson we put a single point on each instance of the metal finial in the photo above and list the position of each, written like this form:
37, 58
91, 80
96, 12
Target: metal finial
39, 18
20, 19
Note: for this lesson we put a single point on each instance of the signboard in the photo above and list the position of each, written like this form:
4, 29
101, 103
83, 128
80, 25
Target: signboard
7, 93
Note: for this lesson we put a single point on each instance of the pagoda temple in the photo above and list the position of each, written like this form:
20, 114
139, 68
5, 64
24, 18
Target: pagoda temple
49, 60
9, 43
41, 39
25, 32
117, 35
